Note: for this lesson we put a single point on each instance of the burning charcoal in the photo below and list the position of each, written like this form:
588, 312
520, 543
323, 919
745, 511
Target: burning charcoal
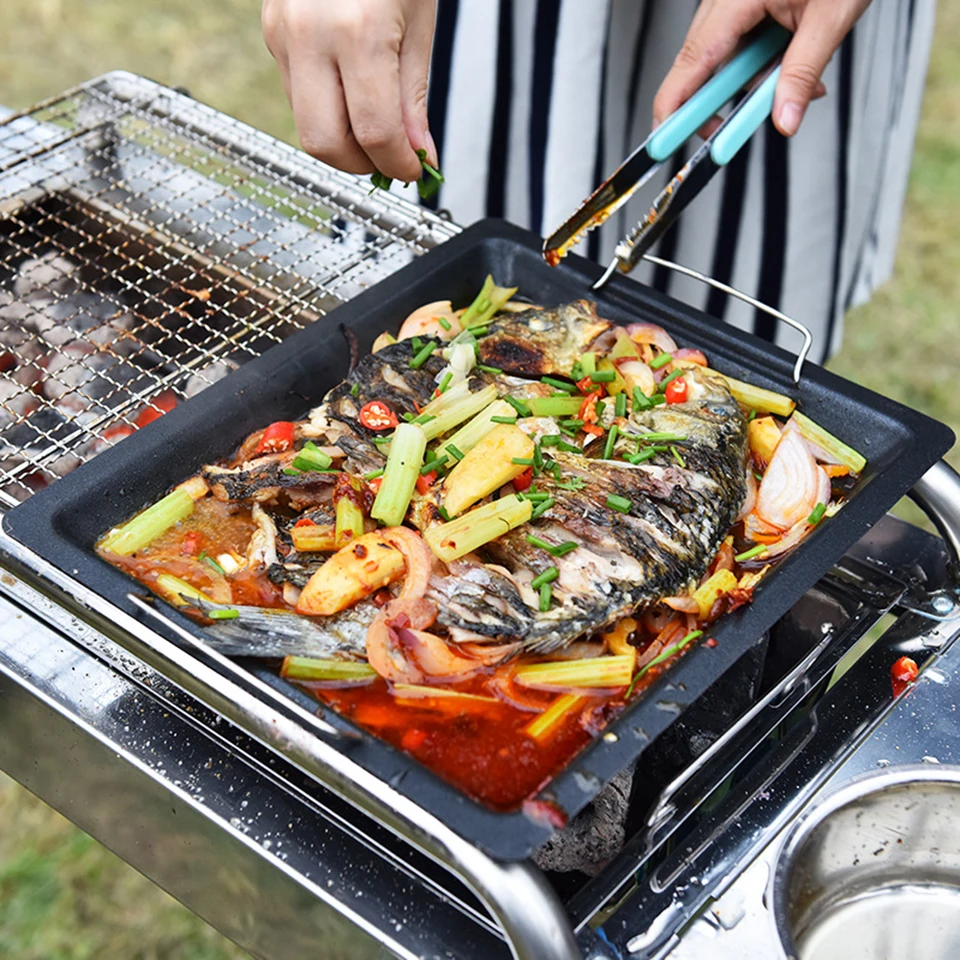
594, 836
16, 402
45, 275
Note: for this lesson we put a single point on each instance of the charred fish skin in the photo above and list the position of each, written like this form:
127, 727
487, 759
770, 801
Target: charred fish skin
263, 481
545, 341
676, 521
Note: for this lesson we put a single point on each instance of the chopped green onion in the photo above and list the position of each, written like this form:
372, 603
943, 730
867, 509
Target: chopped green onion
423, 355
213, 565
574, 423
546, 597
355, 390
292, 471
601, 406
522, 409
556, 440
660, 361
434, 464
147, 526
443, 513
661, 437
495, 371
611, 440
751, 553
503, 419
537, 458
222, 614
640, 400
534, 497
559, 384
400, 475
817, 514
603, 376
618, 503
752, 415
669, 379
444, 322
574, 483
522, 461
423, 418
562, 549
311, 457
564, 406
548, 576
620, 405
541, 508
576, 371
382, 440
455, 452
416, 344
480, 331
373, 474
647, 454
555, 550
445, 382
380, 180
678, 458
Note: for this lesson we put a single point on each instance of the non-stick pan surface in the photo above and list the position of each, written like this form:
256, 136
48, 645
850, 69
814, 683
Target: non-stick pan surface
62, 522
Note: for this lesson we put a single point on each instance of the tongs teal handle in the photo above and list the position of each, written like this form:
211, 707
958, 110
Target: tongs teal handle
745, 122
686, 120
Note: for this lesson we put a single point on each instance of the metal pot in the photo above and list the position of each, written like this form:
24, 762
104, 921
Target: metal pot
873, 871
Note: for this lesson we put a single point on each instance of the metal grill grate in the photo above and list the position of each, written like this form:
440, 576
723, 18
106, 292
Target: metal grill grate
149, 244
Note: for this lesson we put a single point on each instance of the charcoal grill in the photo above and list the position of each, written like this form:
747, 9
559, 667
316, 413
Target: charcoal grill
173, 244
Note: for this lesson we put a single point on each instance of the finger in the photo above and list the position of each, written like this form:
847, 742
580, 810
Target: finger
821, 30
709, 42
371, 85
414, 68
320, 114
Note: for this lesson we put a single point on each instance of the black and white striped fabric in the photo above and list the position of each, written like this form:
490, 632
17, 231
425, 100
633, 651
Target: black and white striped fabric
533, 102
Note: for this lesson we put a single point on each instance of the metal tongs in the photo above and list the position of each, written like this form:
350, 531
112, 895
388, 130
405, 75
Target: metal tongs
761, 54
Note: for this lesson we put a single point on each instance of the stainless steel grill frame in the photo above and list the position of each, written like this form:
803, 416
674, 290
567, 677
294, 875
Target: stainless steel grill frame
172, 206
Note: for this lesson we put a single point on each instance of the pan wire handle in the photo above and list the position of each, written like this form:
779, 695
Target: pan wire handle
731, 291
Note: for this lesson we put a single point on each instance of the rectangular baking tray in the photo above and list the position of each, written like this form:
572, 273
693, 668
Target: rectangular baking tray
63, 522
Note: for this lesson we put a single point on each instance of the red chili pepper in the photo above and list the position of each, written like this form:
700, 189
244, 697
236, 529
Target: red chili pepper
586, 386
522, 481
676, 391
191, 544
157, 407
413, 739
305, 522
903, 673
374, 484
276, 438
424, 481
376, 415
588, 409
593, 429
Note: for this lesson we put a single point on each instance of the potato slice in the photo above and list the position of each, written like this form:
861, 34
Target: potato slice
352, 573
763, 434
488, 466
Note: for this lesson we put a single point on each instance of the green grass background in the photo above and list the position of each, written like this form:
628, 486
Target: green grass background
62, 895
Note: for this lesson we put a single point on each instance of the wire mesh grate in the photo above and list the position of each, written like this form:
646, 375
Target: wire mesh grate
149, 245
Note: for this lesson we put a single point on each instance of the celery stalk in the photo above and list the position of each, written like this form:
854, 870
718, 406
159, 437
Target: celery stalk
400, 475
174, 589
414, 691
488, 302
451, 540
144, 528
555, 406
592, 673
453, 407
550, 720
470, 434
349, 516
835, 447
310, 668
756, 398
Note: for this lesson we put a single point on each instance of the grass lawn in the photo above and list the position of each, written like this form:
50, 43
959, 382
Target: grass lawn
62, 895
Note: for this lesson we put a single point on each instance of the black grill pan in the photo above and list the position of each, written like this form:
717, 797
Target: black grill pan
62, 522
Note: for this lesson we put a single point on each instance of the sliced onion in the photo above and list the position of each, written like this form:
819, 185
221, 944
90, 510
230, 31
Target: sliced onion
691, 356
385, 652
789, 540
651, 333
489, 654
682, 604
434, 656
792, 485
637, 374
416, 555
423, 322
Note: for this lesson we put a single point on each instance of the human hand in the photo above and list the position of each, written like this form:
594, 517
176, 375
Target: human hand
355, 73
818, 28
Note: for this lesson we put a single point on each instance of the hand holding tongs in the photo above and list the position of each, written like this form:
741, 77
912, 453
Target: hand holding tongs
648, 158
